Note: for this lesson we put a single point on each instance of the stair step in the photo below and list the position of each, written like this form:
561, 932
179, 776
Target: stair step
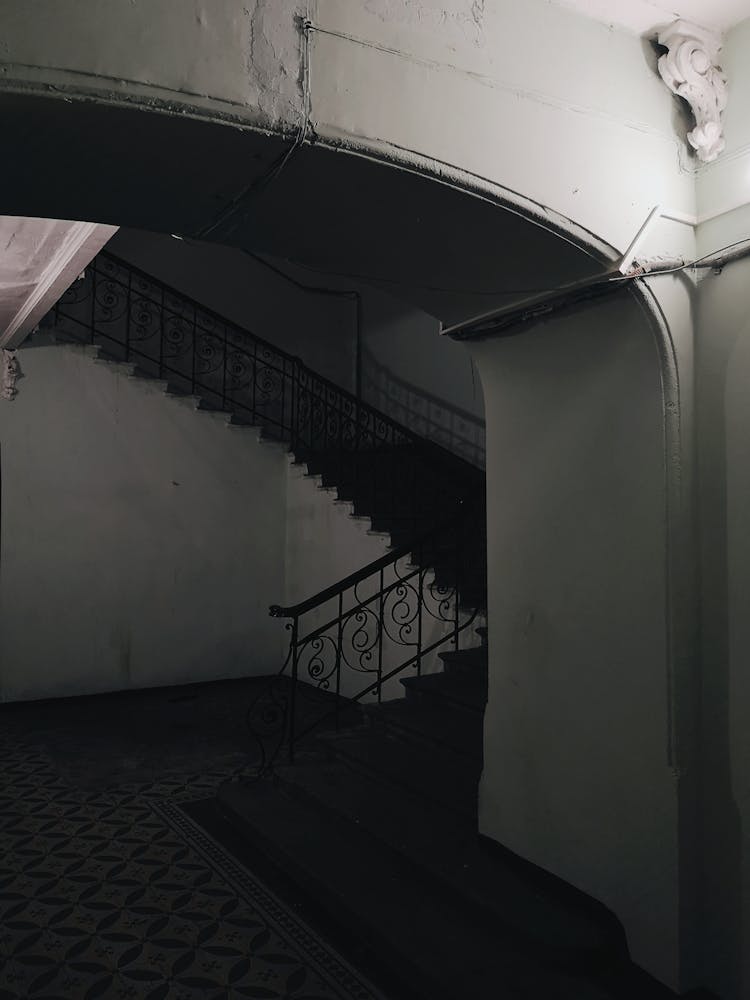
438, 774
438, 949
240, 419
446, 852
468, 692
436, 724
465, 660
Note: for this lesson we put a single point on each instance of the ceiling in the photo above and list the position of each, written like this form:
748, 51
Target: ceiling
645, 16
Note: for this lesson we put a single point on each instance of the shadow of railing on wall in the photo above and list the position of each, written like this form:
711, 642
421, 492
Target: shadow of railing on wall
425, 414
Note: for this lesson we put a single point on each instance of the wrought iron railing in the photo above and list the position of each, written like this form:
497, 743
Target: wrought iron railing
425, 414
353, 641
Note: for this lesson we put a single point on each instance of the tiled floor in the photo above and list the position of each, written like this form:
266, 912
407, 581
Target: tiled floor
104, 889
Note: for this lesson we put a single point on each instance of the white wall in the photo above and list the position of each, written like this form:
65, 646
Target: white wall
534, 97
724, 185
723, 356
141, 541
220, 52
578, 777
723, 370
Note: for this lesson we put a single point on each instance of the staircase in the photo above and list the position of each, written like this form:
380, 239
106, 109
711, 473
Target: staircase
358, 638
364, 802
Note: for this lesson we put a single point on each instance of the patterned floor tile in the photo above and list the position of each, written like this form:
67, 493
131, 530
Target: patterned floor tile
114, 893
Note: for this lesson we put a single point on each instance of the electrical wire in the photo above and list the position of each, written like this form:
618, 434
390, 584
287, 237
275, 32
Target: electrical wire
588, 288
259, 184
379, 279
713, 258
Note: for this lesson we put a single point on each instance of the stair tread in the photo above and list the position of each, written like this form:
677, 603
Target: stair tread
448, 849
474, 659
435, 773
465, 689
424, 937
462, 732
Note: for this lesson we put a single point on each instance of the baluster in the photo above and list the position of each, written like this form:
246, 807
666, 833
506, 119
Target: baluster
381, 629
224, 369
311, 413
127, 315
161, 334
293, 693
376, 455
93, 303
339, 644
195, 350
293, 406
255, 380
357, 447
458, 542
341, 442
420, 598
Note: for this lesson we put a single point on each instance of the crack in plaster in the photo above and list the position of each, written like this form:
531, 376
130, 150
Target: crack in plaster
432, 15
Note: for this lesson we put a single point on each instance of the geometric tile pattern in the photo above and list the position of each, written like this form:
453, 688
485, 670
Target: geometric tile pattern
114, 893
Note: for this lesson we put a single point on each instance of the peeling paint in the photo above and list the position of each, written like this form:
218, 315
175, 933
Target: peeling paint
275, 58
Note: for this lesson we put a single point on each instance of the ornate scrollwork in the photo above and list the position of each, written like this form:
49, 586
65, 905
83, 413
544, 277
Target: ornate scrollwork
690, 69
361, 633
209, 353
318, 658
400, 613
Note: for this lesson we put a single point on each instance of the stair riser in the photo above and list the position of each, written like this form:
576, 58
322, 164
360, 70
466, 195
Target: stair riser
433, 698
461, 801
471, 750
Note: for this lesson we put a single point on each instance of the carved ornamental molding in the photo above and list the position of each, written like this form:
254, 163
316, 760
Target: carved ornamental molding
690, 69
9, 374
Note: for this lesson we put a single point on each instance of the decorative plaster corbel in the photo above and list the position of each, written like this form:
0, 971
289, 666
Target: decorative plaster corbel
9, 372
690, 69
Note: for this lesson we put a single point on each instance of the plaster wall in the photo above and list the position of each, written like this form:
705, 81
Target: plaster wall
723, 366
724, 185
503, 90
237, 58
579, 774
141, 542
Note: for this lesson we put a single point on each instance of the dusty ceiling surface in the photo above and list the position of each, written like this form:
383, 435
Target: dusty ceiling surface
646, 16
